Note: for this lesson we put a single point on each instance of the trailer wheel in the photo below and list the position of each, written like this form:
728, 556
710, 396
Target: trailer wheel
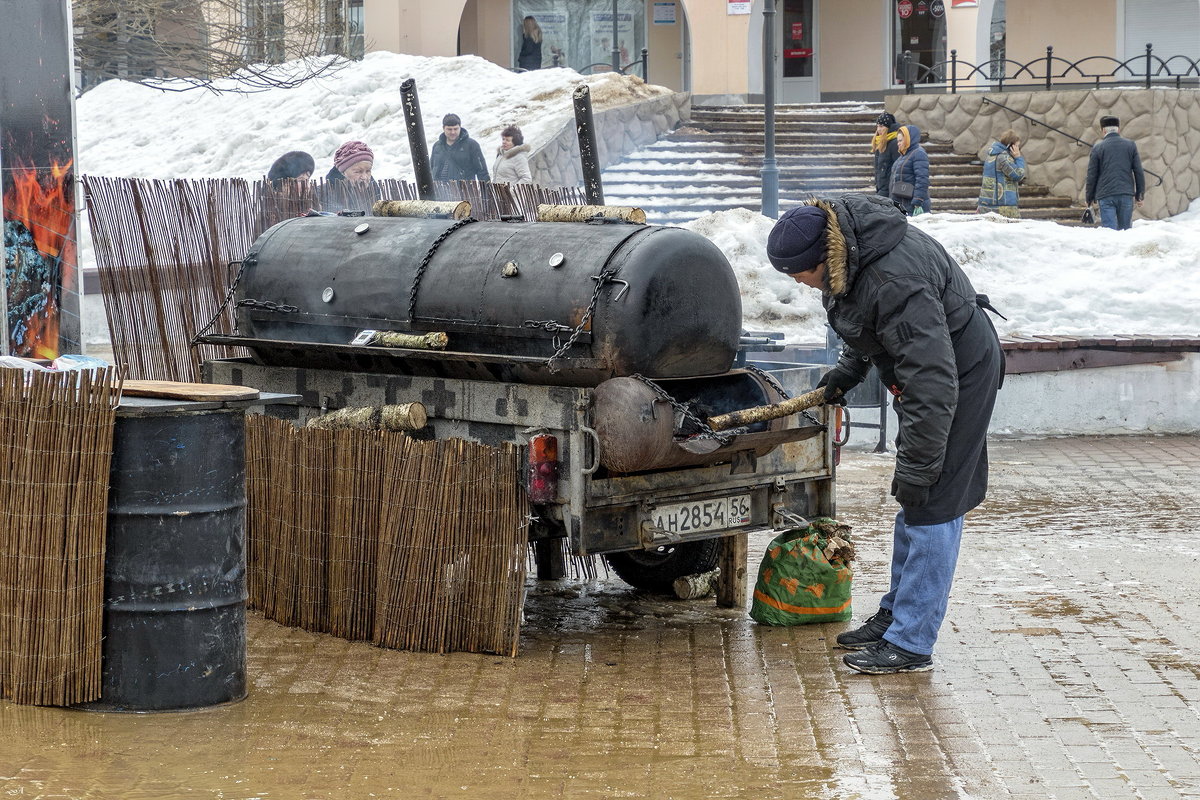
656, 570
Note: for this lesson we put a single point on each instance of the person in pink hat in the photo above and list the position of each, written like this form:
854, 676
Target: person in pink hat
352, 162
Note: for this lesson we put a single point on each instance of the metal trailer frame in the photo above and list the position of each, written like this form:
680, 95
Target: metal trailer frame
597, 512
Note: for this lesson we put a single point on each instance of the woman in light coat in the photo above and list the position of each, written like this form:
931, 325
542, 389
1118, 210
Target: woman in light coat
512, 159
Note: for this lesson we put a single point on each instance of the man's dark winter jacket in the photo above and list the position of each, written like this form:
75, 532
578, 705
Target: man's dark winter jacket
900, 302
1115, 167
461, 161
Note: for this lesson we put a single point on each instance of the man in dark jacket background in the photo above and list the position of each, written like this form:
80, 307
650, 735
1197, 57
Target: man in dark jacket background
902, 304
456, 156
1115, 176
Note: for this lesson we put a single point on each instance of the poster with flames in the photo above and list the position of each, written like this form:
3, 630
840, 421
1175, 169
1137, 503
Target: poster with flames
37, 180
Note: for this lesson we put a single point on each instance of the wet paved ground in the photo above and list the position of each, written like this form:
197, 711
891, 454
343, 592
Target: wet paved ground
1069, 667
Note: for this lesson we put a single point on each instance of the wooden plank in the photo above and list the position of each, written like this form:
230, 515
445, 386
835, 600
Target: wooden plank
176, 390
1058, 342
731, 583
1026, 361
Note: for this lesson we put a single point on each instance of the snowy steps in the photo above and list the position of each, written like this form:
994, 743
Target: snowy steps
714, 163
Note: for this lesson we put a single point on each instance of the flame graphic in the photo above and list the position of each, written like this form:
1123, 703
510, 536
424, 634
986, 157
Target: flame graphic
44, 205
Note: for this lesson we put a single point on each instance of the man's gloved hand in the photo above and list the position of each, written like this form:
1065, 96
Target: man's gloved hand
909, 495
837, 384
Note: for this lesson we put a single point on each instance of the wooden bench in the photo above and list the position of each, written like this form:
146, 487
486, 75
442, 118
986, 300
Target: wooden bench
1054, 353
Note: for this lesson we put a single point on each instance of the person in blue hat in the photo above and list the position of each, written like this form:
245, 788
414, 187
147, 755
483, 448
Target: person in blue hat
900, 303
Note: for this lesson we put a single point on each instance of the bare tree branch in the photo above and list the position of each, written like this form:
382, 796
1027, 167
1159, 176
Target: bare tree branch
203, 42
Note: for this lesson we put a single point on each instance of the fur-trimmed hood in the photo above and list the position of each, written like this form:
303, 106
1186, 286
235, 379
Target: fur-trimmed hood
512, 151
859, 229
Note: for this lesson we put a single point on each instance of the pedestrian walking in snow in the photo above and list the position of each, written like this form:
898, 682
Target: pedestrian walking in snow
530, 56
909, 183
296, 165
512, 159
886, 150
902, 304
1003, 172
456, 156
1114, 177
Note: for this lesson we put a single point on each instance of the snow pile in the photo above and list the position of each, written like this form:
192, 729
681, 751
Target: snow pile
131, 130
1047, 279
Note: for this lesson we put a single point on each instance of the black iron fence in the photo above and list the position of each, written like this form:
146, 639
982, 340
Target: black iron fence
1048, 72
607, 67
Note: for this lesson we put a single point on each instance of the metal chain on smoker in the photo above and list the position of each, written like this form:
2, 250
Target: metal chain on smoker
224, 303
777, 386
267, 305
706, 432
601, 279
249, 302
433, 248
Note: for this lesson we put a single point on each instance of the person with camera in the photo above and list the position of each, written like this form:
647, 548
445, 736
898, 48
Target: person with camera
902, 304
1003, 173
909, 184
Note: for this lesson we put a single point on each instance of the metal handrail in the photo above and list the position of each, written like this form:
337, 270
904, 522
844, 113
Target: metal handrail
1153, 68
644, 61
1059, 131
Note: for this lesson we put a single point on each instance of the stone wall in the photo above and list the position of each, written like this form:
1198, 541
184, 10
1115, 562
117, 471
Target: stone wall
1165, 123
619, 131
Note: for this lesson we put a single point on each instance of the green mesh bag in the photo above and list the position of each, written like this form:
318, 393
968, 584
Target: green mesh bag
805, 576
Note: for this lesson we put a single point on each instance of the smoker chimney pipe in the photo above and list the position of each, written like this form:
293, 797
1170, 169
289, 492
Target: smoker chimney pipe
416, 139
588, 157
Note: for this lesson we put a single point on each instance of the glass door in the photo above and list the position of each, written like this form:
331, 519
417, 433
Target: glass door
797, 69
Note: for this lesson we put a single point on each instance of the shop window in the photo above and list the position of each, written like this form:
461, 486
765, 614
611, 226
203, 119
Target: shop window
579, 33
996, 40
797, 38
919, 27
265, 31
343, 28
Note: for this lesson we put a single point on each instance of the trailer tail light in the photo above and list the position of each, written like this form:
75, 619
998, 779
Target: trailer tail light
542, 475
841, 421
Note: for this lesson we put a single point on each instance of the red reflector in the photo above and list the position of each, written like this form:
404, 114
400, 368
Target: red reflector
541, 480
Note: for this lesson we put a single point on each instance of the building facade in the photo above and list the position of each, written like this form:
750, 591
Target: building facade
825, 49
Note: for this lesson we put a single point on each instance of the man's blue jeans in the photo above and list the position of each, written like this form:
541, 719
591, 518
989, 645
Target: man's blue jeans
923, 561
1116, 211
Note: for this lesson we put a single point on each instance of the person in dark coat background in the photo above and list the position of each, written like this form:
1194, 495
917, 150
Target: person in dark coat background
886, 150
911, 168
902, 304
295, 164
1115, 176
456, 156
530, 56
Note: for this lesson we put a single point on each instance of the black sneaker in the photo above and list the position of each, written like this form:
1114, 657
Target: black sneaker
871, 631
885, 658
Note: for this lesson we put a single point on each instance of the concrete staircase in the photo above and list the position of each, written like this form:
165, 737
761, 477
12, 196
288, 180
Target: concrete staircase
714, 164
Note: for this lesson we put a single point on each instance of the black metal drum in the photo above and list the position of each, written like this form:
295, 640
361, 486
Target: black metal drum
175, 574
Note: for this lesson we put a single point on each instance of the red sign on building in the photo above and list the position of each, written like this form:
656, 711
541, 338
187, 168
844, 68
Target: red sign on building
798, 52
904, 8
922, 8
797, 31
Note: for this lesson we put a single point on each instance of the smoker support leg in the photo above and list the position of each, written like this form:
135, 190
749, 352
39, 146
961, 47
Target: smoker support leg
731, 583
551, 560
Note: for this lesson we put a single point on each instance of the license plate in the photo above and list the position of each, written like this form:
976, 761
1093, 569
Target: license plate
703, 515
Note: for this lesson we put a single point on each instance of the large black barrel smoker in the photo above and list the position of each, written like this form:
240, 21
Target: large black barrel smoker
556, 303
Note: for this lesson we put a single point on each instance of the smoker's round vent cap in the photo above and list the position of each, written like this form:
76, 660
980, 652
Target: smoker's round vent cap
327, 295
557, 260
363, 228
